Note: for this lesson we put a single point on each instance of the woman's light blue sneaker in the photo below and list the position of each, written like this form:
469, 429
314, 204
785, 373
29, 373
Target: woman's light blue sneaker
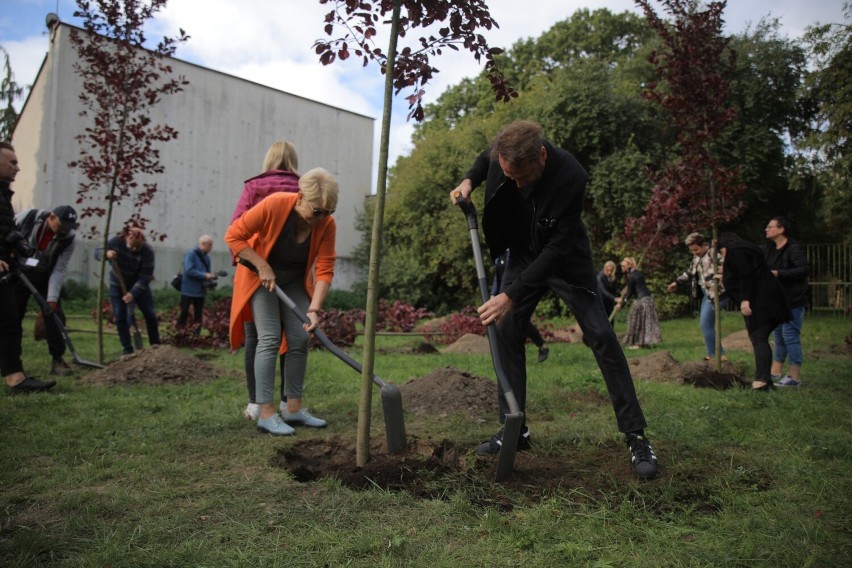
304, 418
274, 425
788, 381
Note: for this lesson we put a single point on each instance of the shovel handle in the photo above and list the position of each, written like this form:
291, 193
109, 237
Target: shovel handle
469, 210
318, 333
118, 275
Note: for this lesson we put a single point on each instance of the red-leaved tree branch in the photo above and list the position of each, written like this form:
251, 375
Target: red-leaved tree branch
695, 191
412, 69
122, 80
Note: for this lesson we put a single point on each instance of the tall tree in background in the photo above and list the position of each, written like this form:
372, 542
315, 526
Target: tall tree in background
695, 191
404, 67
825, 148
10, 91
122, 80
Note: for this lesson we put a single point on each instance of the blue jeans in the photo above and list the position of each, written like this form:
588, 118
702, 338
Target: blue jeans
788, 339
271, 317
122, 312
707, 322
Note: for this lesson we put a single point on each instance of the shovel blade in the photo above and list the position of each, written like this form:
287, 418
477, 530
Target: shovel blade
394, 422
509, 447
137, 340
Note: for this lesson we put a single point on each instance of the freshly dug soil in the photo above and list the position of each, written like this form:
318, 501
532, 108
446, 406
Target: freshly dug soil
662, 367
449, 390
154, 365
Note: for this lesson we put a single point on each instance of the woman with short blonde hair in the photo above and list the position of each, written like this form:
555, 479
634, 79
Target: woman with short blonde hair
290, 240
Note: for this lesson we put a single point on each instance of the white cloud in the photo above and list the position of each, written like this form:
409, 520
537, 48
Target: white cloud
25, 58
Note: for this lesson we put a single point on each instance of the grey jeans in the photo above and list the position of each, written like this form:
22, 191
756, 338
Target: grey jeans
270, 317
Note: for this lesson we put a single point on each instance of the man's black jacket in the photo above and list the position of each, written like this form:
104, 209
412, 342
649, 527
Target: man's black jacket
540, 224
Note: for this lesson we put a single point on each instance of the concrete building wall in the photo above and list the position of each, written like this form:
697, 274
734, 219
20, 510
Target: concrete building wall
225, 126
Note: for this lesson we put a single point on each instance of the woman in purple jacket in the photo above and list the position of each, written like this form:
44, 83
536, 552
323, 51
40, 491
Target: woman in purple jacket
279, 174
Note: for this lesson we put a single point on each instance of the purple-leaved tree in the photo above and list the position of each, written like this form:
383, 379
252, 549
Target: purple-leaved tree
695, 190
122, 80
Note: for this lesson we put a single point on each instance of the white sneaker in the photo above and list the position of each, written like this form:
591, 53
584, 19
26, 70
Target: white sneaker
252, 411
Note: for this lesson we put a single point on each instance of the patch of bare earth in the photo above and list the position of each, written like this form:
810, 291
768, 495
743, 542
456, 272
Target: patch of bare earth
155, 365
432, 468
662, 367
449, 390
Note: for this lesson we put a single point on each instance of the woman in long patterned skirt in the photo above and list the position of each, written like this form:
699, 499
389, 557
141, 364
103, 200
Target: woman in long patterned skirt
643, 325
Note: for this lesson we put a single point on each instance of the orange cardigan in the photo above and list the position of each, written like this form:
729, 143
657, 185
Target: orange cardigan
259, 228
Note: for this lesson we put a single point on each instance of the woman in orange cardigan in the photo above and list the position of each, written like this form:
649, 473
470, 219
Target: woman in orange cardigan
290, 238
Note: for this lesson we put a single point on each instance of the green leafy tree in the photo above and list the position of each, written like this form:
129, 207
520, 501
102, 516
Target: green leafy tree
824, 160
10, 91
591, 102
405, 67
587, 101
121, 81
765, 88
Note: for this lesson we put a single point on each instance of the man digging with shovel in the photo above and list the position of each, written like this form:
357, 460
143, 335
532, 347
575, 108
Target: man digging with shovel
533, 201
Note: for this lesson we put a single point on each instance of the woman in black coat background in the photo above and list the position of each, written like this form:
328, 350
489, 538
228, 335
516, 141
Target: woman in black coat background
759, 296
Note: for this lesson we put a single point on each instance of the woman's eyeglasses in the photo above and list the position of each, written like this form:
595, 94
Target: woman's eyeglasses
322, 212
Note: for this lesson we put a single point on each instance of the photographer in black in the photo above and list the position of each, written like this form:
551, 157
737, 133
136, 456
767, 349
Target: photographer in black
197, 278
49, 236
11, 365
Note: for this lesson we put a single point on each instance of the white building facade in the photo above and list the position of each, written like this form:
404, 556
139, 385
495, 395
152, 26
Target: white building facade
225, 126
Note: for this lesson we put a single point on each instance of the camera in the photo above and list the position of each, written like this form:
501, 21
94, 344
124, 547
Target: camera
16, 240
213, 282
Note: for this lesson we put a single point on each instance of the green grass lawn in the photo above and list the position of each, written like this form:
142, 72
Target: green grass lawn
173, 475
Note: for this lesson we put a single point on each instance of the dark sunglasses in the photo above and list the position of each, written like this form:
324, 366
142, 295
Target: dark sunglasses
321, 212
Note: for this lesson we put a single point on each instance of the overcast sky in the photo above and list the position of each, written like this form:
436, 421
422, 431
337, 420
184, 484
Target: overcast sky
270, 42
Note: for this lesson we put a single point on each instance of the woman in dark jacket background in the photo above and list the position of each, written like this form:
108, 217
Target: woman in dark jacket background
759, 296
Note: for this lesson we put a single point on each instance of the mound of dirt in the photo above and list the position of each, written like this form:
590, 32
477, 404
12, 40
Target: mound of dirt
572, 334
449, 390
468, 343
662, 367
155, 365
659, 366
738, 341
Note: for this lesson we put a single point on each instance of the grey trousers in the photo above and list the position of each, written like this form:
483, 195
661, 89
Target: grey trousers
271, 317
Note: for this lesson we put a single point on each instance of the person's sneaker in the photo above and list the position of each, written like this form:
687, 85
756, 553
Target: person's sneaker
252, 411
31, 384
303, 418
788, 381
493, 445
274, 425
61, 368
642, 456
543, 352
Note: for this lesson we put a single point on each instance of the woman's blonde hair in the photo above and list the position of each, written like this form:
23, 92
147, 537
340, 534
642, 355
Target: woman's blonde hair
609, 264
281, 156
631, 262
320, 188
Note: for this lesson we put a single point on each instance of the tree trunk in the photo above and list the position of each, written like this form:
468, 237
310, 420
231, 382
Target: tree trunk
362, 448
714, 287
